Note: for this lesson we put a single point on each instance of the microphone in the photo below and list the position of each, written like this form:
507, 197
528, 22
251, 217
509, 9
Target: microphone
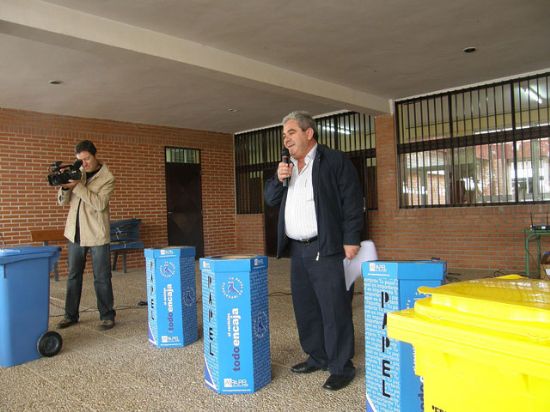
285, 158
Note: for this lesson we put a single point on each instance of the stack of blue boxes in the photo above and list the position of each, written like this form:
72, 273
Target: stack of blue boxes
171, 296
392, 385
236, 323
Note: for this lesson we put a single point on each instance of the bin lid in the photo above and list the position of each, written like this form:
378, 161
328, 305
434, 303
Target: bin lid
510, 307
504, 320
169, 252
406, 270
233, 263
508, 297
17, 253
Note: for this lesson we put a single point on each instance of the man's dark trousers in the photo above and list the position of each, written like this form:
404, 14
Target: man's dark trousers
322, 307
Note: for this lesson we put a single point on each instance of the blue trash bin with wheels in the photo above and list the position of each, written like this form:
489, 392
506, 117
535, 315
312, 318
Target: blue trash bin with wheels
24, 304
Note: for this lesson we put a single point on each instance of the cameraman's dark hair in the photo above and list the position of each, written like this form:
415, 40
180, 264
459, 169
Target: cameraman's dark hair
305, 121
85, 146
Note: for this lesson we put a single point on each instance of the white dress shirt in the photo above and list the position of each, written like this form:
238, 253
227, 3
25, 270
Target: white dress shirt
300, 216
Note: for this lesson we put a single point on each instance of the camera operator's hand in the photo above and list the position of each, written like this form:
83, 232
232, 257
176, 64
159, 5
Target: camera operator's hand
70, 185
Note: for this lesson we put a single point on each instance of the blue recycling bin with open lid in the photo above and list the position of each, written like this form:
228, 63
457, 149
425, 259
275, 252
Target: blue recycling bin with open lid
24, 304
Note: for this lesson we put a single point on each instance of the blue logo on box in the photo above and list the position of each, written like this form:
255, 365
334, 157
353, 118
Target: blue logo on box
233, 288
189, 297
167, 269
377, 267
261, 326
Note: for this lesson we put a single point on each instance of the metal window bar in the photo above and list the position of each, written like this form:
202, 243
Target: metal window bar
424, 139
403, 170
493, 177
514, 185
399, 134
521, 146
418, 201
431, 167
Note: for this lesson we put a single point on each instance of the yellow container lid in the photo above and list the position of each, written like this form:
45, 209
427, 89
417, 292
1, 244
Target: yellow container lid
513, 298
509, 316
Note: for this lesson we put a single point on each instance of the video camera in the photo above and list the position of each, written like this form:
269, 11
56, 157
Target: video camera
61, 174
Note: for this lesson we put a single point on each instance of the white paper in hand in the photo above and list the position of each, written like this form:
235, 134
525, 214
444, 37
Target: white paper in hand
352, 268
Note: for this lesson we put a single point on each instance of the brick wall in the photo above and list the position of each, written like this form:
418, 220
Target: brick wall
250, 234
489, 237
30, 141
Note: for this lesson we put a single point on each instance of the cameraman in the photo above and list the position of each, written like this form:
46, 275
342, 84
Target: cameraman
88, 228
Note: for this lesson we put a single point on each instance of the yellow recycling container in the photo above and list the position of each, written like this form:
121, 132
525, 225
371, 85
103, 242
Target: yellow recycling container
481, 345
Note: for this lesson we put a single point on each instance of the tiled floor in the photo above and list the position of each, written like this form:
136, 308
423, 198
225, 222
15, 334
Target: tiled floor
119, 370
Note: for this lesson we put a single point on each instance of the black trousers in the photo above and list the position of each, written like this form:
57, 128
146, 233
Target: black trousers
322, 307
101, 263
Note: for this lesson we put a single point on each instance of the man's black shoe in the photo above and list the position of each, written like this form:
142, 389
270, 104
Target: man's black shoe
65, 323
337, 382
107, 324
305, 368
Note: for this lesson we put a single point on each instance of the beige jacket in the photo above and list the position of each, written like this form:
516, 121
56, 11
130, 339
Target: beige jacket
94, 216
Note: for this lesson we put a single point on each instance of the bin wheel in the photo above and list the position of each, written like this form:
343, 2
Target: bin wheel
50, 344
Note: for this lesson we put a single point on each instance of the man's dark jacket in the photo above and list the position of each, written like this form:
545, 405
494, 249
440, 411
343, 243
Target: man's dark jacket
338, 203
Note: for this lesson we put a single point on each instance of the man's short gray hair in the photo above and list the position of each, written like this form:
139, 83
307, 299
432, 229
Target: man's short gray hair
304, 119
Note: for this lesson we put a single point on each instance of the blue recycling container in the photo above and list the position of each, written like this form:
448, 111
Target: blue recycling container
171, 296
391, 384
235, 314
24, 301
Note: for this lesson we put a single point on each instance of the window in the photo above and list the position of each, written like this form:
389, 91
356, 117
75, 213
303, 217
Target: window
257, 154
181, 155
481, 146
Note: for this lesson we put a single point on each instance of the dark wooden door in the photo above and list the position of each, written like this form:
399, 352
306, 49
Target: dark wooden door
184, 206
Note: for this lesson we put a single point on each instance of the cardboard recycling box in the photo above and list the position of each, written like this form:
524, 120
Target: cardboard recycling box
391, 385
236, 323
171, 296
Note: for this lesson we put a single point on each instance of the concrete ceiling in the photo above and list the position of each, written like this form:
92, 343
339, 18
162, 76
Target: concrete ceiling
237, 65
